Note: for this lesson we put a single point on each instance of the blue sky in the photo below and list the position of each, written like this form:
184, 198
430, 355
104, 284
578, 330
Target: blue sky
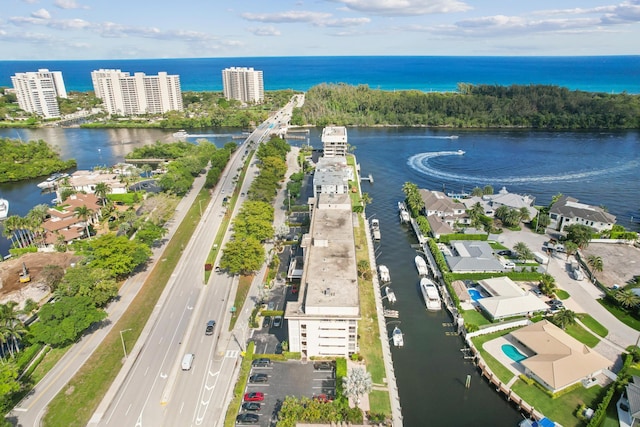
107, 29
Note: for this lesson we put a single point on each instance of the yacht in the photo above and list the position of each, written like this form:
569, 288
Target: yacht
398, 338
421, 265
383, 271
391, 297
4, 208
375, 228
430, 294
52, 181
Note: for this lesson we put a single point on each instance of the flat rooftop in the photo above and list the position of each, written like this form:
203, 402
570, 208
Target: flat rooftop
334, 134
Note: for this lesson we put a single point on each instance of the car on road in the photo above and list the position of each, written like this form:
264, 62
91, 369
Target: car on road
241, 194
211, 324
266, 322
277, 321
247, 418
254, 396
258, 378
509, 265
251, 406
323, 366
261, 363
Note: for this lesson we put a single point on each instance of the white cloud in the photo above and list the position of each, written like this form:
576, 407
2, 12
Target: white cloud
41, 14
405, 7
68, 4
264, 31
346, 22
287, 17
30, 1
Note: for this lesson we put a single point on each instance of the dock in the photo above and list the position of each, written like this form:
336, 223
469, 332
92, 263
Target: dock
391, 313
367, 178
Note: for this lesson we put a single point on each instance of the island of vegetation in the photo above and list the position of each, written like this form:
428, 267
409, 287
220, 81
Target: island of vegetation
32, 159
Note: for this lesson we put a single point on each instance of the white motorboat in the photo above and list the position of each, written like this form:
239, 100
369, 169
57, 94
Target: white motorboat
383, 272
375, 229
52, 181
4, 208
181, 134
398, 338
421, 265
391, 297
405, 216
430, 295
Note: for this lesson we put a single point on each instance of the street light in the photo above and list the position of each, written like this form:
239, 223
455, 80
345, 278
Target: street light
124, 349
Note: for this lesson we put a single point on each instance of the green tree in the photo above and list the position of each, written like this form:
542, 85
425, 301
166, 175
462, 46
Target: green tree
9, 384
101, 191
477, 192
62, 322
84, 213
548, 285
96, 283
523, 251
242, 256
564, 318
487, 190
117, 254
579, 234
364, 268
595, 264
570, 248
626, 298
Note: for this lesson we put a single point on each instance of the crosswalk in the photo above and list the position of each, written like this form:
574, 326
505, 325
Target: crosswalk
232, 354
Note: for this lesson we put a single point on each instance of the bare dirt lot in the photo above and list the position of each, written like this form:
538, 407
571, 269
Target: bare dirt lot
10, 287
620, 262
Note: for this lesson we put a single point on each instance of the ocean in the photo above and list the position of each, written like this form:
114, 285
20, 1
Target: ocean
611, 74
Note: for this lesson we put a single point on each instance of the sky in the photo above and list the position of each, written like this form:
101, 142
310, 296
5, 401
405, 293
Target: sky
122, 29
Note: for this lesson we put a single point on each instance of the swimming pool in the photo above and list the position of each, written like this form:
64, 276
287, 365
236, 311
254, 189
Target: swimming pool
475, 294
513, 353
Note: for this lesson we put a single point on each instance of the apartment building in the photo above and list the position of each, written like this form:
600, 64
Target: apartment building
124, 94
243, 84
37, 92
334, 141
324, 319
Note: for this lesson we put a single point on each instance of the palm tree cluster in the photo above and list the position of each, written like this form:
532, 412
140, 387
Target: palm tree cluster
28, 230
11, 329
413, 198
511, 217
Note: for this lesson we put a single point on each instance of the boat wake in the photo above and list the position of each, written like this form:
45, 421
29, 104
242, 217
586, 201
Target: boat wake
420, 163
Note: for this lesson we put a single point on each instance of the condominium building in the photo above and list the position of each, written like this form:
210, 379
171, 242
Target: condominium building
37, 92
324, 319
124, 94
334, 141
243, 84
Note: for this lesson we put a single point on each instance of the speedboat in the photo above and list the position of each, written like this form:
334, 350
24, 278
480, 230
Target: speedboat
404, 216
4, 208
391, 297
375, 228
421, 265
398, 338
430, 295
460, 152
52, 181
383, 271
181, 134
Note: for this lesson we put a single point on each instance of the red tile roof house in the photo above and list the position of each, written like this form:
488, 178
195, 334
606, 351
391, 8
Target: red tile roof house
64, 221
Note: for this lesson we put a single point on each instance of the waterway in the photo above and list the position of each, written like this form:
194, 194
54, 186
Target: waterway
597, 168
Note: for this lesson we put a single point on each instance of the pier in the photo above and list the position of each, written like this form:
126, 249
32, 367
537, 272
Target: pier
367, 178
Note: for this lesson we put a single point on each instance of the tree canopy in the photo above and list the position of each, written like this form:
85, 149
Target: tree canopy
116, 254
25, 160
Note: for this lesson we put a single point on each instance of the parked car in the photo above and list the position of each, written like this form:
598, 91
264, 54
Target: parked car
509, 265
247, 418
504, 253
277, 321
254, 396
261, 363
251, 406
211, 324
258, 378
271, 306
323, 366
266, 322
324, 398
537, 291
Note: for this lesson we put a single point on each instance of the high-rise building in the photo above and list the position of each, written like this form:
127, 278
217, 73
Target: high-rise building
124, 94
37, 91
243, 84
334, 141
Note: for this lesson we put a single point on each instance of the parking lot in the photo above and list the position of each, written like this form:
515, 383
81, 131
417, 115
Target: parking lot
291, 378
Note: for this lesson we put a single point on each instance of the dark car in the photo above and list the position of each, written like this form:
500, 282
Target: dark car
258, 378
266, 322
261, 363
247, 418
277, 321
211, 324
554, 302
251, 406
254, 396
323, 366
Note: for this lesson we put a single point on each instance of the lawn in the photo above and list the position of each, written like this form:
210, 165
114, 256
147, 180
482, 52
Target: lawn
593, 324
582, 335
474, 317
379, 401
238, 390
502, 372
241, 294
562, 294
620, 314
562, 409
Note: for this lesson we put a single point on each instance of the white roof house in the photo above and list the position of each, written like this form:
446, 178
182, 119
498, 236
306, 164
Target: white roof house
508, 299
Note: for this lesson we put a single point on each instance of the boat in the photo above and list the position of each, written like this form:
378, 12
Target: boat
398, 338
460, 152
430, 294
181, 134
375, 228
421, 265
383, 272
4, 208
52, 181
391, 297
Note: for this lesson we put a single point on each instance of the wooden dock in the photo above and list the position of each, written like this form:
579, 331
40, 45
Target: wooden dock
391, 313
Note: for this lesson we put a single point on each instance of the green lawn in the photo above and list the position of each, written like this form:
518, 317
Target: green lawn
561, 409
562, 294
474, 317
620, 314
582, 335
502, 372
379, 401
593, 324
245, 369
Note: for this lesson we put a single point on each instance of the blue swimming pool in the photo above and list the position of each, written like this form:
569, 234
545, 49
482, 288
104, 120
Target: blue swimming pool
513, 353
475, 294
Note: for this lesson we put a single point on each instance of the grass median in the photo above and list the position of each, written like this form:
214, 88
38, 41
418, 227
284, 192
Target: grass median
77, 401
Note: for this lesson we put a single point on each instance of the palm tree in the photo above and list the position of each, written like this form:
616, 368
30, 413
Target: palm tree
365, 199
564, 318
84, 213
523, 250
524, 214
570, 248
548, 285
627, 298
475, 213
357, 383
596, 265
477, 192
487, 190
101, 191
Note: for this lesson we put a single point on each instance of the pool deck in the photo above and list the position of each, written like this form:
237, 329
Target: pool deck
494, 347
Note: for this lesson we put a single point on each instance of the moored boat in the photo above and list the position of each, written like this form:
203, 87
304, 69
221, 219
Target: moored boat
391, 296
4, 208
52, 181
397, 336
383, 272
421, 265
375, 229
430, 294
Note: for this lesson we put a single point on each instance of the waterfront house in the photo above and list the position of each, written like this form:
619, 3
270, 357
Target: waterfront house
443, 213
491, 202
472, 256
506, 299
558, 360
64, 222
568, 211
86, 181
632, 392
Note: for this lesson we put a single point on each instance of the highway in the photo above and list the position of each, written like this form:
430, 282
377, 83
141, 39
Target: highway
155, 391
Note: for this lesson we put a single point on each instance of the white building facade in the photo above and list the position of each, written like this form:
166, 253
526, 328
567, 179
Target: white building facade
243, 84
124, 94
37, 92
334, 141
